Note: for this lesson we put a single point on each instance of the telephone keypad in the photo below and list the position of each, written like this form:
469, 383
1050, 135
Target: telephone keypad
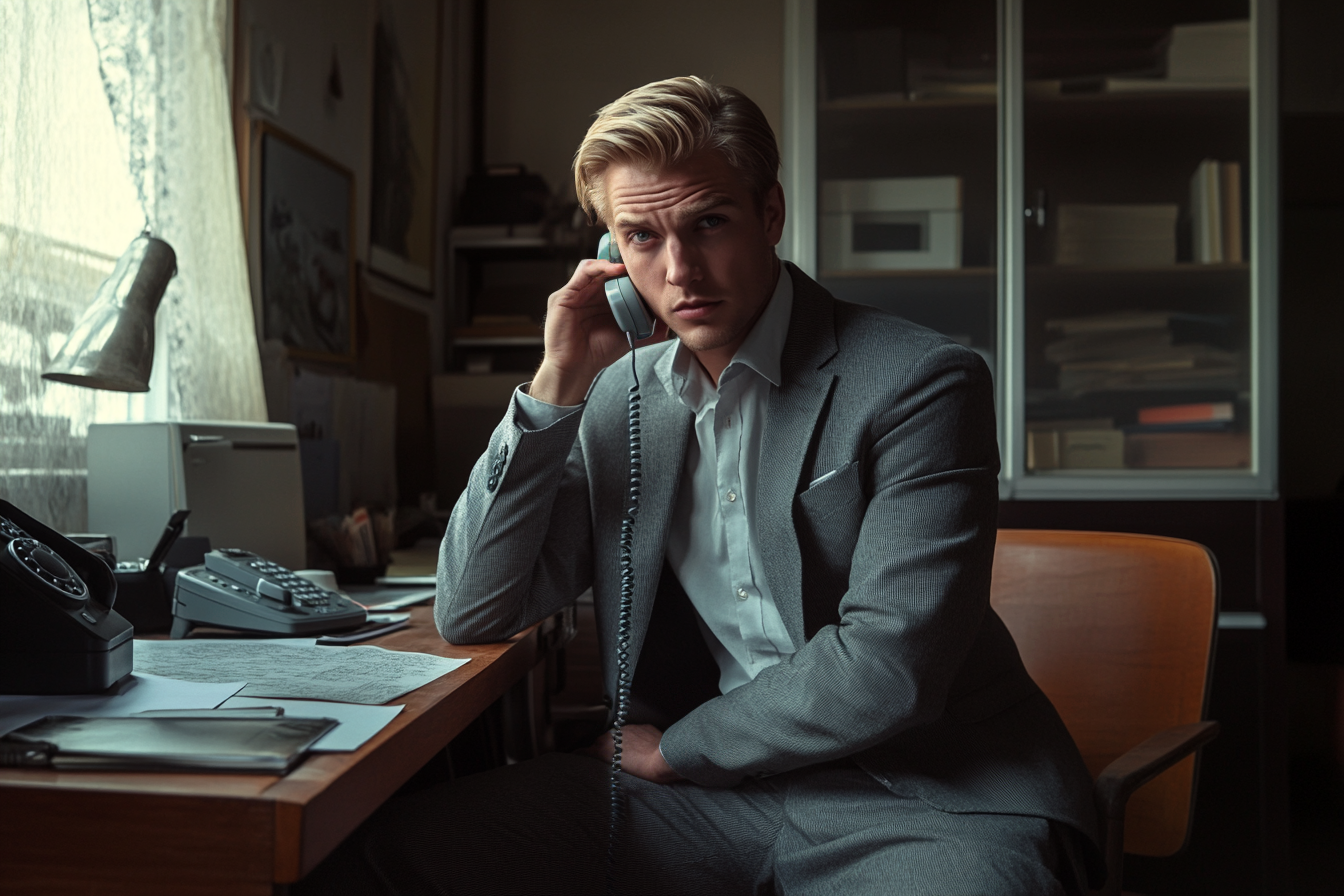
268, 588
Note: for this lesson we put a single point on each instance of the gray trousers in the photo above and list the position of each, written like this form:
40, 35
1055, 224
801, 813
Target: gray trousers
541, 827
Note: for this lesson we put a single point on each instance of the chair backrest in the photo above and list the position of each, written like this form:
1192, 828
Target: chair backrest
1117, 630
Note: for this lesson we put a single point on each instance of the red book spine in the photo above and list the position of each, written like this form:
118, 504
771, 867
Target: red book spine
1187, 413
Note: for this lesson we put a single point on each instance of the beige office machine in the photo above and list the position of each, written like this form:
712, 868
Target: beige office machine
241, 482
890, 223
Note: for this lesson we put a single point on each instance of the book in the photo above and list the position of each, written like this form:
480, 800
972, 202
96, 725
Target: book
1188, 450
1229, 182
172, 743
1206, 216
1188, 413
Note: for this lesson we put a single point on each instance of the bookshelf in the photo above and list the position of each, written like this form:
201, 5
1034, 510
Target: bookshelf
1012, 98
1075, 133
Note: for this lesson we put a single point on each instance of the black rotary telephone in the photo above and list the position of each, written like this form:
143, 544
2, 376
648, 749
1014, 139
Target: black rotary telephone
58, 631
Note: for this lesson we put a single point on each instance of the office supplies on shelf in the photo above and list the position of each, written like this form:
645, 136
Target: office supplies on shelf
891, 223
1117, 235
358, 722
241, 590
273, 745
241, 482
359, 674
60, 634
139, 692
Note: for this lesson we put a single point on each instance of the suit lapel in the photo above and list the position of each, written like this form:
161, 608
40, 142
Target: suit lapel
794, 410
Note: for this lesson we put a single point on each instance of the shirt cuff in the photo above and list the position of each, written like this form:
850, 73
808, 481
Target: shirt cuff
533, 414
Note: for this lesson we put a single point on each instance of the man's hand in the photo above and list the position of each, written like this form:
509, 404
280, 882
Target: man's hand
639, 753
581, 335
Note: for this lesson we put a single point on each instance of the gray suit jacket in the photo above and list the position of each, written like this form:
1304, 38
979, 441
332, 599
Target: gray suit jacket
881, 572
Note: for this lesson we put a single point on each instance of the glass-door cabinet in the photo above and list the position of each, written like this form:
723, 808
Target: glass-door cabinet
1084, 194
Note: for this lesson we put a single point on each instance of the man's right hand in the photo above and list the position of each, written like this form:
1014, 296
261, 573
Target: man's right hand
581, 335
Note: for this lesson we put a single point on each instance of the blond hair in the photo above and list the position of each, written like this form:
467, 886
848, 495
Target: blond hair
667, 122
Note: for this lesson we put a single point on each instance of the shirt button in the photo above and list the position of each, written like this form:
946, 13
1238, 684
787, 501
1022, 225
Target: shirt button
732, 496
741, 594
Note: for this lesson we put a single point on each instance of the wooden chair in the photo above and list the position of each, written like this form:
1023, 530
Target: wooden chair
1118, 631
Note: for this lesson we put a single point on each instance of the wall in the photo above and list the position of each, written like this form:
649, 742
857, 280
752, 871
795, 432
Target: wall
310, 30
551, 64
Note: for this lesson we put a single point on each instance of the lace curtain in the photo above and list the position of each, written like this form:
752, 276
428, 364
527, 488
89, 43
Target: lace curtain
114, 116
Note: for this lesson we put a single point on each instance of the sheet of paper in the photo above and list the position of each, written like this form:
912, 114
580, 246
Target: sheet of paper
363, 674
140, 692
358, 722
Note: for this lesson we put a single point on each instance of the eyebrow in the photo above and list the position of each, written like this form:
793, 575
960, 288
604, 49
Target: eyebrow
712, 201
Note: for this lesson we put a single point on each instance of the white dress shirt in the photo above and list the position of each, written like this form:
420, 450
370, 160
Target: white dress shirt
712, 547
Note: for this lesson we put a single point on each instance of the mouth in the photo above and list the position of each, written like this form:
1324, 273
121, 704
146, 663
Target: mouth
693, 309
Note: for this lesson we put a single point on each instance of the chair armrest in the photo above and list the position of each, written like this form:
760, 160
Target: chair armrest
1146, 761
1139, 765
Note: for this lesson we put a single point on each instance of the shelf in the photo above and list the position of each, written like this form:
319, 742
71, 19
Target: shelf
972, 272
497, 334
1180, 269
1040, 95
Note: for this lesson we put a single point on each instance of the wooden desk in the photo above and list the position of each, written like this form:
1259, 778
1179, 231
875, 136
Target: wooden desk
141, 834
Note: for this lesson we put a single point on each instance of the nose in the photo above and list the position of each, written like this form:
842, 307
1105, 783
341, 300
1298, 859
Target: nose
683, 264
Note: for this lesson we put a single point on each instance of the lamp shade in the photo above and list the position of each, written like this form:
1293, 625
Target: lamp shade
112, 345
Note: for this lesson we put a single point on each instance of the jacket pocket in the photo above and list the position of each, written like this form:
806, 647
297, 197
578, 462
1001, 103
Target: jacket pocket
830, 514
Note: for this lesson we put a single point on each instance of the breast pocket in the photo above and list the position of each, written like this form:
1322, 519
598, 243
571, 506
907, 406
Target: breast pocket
830, 514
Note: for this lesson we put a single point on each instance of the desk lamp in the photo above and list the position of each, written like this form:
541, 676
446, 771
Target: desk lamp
112, 345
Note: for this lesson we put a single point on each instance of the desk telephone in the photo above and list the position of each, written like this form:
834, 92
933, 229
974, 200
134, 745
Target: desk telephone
241, 590
60, 634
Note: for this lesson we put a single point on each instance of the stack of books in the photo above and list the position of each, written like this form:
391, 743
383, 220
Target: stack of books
1143, 350
1202, 435
1116, 235
1215, 213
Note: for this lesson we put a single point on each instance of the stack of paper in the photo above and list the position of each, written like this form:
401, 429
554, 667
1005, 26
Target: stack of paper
1116, 235
1143, 350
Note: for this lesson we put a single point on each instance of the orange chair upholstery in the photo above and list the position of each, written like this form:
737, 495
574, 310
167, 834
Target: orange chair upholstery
1118, 630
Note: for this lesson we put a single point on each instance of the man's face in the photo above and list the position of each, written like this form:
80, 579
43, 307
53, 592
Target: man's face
698, 249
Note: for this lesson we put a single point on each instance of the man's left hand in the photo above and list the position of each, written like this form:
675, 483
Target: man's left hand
639, 753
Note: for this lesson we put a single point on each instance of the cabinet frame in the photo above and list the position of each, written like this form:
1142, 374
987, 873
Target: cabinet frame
799, 177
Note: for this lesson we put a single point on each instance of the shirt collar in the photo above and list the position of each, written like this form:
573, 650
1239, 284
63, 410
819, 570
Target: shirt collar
761, 351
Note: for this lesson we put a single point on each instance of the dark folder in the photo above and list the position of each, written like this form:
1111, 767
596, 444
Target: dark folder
260, 745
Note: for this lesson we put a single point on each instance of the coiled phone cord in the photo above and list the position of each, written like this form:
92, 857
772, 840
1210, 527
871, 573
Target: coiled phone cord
623, 625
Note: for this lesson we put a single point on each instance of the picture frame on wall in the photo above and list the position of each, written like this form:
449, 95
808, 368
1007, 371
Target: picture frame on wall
302, 247
402, 182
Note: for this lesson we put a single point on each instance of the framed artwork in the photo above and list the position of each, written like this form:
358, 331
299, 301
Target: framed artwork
305, 231
405, 127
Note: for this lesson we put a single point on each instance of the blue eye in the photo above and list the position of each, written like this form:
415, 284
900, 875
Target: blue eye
709, 221
640, 236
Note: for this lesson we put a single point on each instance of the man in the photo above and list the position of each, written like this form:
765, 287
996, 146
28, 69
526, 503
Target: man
822, 699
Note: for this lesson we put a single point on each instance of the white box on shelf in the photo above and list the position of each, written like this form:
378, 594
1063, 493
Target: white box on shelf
891, 223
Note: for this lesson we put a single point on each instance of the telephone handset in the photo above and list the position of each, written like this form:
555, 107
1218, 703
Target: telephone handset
60, 634
626, 302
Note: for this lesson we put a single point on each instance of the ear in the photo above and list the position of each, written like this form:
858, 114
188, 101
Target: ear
772, 214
